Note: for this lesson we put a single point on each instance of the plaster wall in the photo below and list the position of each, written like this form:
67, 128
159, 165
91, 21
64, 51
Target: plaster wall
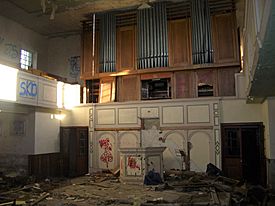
79, 116
236, 111
16, 137
13, 37
64, 57
46, 133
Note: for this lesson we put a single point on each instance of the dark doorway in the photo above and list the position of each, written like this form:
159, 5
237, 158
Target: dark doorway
74, 150
243, 152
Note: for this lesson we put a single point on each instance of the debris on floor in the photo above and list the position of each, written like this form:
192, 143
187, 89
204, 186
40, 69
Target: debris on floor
180, 188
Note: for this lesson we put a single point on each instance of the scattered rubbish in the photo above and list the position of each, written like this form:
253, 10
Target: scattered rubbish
152, 178
212, 170
180, 188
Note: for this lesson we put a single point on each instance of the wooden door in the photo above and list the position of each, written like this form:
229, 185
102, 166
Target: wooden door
74, 150
231, 152
243, 152
81, 150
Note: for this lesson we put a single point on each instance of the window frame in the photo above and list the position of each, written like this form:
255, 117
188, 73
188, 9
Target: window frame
26, 59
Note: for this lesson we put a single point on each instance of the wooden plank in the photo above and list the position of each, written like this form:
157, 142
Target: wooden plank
45, 165
179, 42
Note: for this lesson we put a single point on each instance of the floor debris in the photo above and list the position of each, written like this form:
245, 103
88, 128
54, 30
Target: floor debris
180, 188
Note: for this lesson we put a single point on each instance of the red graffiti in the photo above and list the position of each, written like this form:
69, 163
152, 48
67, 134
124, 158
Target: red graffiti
106, 156
132, 163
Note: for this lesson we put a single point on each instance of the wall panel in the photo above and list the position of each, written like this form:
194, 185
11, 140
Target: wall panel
126, 50
225, 38
129, 88
179, 42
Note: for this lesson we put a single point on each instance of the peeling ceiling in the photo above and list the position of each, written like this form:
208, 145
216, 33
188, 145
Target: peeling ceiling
70, 13
68, 16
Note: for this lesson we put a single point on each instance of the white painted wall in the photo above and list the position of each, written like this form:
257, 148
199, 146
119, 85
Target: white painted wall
50, 55
270, 128
11, 143
14, 36
236, 111
46, 133
79, 116
60, 50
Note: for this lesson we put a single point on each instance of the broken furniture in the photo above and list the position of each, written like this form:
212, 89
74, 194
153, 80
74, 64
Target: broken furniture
135, 163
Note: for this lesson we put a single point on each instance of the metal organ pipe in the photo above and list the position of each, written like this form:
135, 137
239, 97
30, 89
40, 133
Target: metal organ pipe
108, 42
152, 37
201, 32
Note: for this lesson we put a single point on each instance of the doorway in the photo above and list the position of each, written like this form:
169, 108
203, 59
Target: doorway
243, 152
74, 150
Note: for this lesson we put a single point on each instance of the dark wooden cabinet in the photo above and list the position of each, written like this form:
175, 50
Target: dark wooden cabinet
179, 42
74, 150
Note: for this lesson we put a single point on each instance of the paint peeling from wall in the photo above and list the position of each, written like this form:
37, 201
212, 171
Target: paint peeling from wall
107, 155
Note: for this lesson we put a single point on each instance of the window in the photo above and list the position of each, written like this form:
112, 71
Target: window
26, 59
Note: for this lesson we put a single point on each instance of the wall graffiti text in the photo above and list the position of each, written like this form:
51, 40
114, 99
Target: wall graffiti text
107, 155
74, 63
28, 88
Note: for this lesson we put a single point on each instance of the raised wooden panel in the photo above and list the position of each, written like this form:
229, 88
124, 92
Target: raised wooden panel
107, 90
87, 54
126, 48
225, 38
129, 88
185, 84
179, 42
226, 81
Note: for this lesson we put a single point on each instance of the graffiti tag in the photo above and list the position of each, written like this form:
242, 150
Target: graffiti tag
11, 50
132, 163
106, 156
28, 89
74, 66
